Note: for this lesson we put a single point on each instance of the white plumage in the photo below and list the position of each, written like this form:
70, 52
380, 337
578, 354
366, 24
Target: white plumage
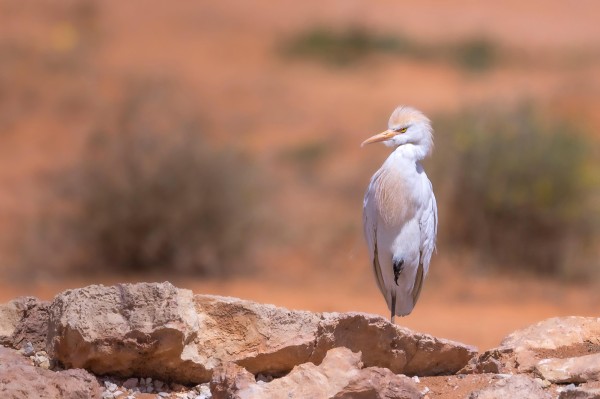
400, 212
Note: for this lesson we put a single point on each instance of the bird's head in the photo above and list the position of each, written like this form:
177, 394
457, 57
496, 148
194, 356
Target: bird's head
406, 126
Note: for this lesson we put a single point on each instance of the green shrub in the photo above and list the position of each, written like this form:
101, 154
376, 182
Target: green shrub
517, 188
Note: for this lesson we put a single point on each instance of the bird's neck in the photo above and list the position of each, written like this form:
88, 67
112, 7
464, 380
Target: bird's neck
410, 153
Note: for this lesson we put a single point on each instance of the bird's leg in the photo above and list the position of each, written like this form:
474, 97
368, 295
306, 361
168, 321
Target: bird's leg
398, 266
393, 307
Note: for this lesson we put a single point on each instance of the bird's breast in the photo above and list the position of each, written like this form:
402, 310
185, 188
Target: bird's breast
397, 196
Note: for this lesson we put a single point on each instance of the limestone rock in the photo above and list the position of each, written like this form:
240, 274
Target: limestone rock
127, 329
339, 376
19, 379
10, 315
160, 331
554, 333
379, 383
24, 320
228, 379
261, 338
523, 349
387, 345
579, 392
515, 386
574, 369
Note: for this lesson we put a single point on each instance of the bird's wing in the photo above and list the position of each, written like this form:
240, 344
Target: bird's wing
428, 224
370, 229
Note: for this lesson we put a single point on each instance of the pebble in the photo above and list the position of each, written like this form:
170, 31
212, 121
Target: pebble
501, 376
425, 391
163, 394
416, 379
111, 387
130, 383
117, 393
41, 359
158, 385
27, 349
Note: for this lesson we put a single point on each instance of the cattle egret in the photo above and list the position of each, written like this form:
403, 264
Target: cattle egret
400, 212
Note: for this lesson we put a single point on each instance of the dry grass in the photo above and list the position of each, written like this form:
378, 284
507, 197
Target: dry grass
148, 194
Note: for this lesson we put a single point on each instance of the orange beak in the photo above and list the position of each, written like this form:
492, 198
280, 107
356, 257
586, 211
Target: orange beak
383, 136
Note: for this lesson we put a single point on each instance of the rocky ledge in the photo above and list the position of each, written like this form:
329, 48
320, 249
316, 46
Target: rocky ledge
159, 341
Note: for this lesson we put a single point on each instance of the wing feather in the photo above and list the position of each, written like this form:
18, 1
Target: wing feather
370, 230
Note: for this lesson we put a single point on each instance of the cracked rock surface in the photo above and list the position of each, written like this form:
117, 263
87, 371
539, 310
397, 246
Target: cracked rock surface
153, 341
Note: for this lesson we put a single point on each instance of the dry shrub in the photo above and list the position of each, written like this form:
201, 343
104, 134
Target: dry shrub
518, 188
149, 194
355, 44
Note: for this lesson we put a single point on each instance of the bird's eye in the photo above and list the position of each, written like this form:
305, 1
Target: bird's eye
402, 130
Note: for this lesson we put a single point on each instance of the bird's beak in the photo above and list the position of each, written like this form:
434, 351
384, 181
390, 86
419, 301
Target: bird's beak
383, 136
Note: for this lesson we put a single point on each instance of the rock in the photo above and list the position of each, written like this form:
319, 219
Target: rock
20, 379
387, 345
27, 349
339, 376
379, 383
10, 315
40, 359
229, 379
488, 362
130, 383
516, 386
556, 337
167, 333
554, 333
579, 392
574, 369
125, 330
24, 320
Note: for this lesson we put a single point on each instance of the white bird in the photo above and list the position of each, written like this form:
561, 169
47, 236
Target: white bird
400, 212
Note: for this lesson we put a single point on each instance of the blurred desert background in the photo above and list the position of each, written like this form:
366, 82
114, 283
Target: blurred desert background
215, 144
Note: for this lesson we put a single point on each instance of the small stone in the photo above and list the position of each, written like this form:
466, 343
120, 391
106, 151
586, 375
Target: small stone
41, 359
130, 383
203, 391
107, 395
111, 387
117, 393
158, 385
148, 381
543, 383
416, 379
27, 349
163, 394
425, 391
501, 376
